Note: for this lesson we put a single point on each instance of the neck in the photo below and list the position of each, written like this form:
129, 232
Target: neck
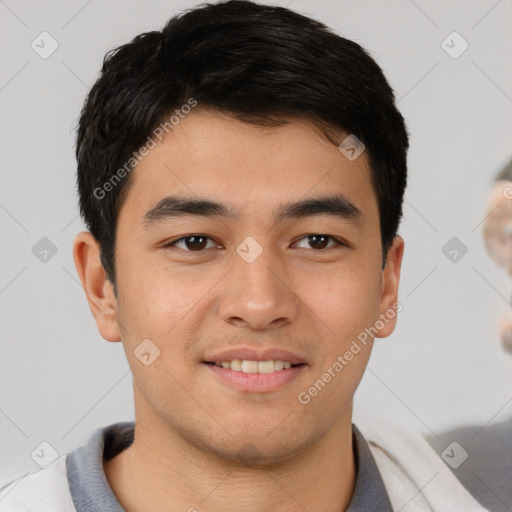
162, 467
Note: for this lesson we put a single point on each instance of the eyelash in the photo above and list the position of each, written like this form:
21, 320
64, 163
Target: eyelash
337, 242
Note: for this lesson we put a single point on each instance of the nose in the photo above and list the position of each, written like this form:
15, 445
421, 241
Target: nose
258, 295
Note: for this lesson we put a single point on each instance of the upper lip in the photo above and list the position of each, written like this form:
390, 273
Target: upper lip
251, 354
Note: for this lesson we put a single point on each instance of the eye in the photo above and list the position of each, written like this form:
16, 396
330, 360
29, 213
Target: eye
197, 243
320, 241
193, 243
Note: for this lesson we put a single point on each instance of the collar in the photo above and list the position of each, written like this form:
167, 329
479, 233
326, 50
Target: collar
91, 491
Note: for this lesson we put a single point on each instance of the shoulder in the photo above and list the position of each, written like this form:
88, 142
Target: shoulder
39, 491
75, 477
414, 474
480, 456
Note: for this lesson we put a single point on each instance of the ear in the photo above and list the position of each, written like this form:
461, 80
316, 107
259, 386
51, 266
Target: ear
98, 289
389, 305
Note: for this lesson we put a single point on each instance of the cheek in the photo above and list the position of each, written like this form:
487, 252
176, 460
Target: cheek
168, 307
344, 301
156, 308
155, 297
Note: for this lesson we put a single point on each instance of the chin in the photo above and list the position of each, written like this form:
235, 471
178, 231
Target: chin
250, 453
248, 446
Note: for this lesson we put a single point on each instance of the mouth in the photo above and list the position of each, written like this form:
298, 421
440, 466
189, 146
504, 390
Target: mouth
255, 376
259, 367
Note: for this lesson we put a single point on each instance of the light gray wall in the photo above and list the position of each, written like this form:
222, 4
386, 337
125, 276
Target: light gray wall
443, 366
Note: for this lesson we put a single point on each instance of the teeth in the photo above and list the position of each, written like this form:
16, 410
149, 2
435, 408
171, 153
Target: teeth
250, 366
255, 366
266, 366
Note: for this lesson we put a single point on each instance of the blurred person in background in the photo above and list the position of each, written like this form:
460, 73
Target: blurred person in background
487, 470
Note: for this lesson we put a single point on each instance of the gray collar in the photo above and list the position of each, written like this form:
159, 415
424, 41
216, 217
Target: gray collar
91, 491
370, 494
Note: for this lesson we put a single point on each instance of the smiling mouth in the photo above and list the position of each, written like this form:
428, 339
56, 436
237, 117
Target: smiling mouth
247, 366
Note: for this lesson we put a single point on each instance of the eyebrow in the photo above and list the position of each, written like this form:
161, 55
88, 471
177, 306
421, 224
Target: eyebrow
337, 206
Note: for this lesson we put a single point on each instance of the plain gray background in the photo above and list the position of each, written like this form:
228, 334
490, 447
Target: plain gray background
443, 366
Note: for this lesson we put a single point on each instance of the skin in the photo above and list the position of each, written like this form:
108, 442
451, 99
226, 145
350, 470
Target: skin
200, 444
497, 224
497, 233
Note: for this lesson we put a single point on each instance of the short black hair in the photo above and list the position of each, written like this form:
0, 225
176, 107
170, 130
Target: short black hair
257, 63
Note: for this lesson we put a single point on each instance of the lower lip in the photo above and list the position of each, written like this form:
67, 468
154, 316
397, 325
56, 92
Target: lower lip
256, 382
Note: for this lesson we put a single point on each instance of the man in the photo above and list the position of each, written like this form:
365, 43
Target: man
241, 173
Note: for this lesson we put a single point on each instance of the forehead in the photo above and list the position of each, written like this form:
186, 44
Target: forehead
248, 167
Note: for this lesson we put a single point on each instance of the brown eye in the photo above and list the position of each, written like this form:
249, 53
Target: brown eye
192, 243
195, 242
319, 242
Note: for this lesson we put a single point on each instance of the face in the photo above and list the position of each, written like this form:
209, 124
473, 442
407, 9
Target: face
497, 233
247, 280
497, 226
